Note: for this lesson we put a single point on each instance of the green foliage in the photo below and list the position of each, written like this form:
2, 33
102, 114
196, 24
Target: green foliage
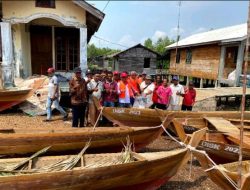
94, 51
149, 43
160, 45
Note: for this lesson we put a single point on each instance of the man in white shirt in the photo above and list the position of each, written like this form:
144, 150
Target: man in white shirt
177, 92
53, 96
95, 89
147, 89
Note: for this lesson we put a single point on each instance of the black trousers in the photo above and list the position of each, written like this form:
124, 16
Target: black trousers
186, 108
161, 106
78, 112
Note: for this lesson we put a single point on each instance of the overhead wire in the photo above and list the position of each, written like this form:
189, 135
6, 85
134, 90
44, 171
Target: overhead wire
105, 6
110, 41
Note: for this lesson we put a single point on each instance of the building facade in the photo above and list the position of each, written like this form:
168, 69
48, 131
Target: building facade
39, 34
210, 56
137, 58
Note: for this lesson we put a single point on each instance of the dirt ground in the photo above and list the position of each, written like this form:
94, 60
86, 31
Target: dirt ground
182, 181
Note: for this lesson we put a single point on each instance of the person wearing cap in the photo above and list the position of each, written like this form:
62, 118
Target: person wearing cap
188, 97
53, 96
147, 89
95, 88
89, 76
133, 81
124, 91
78, 96
177, 92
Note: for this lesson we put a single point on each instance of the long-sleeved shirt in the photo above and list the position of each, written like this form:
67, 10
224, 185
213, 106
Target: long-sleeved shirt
111, 95
78, 91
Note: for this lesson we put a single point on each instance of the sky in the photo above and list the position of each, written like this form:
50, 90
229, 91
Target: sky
131, 22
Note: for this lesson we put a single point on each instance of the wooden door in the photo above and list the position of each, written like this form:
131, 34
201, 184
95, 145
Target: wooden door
41, 48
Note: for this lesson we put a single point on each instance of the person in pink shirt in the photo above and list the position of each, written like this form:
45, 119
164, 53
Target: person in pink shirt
163, 92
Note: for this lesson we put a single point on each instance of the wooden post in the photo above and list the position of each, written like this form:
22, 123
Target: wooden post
7, 55
83, 50
201, 83
243, 101
222, 63
239, 63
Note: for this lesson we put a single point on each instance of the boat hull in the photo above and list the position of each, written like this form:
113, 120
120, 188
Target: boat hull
12, 97
110, 139
8, 104
147, 174
150, 117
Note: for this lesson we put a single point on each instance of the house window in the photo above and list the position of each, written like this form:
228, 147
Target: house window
189, 56
67, 48
178, 56
146, 62
45, 3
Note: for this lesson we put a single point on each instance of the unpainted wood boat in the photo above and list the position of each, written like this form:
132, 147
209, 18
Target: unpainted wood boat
15, 96
99, 171
230, 169
152, 117
104, 139
221, 146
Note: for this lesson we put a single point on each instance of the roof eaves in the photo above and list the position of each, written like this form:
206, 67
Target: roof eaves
89, 8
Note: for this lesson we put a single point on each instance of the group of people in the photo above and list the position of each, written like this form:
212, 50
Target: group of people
114, 89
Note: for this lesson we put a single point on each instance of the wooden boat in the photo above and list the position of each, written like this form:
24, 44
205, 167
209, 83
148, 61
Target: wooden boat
230, 169
221, 144
150, 117
104, 139
98, 171
14, 96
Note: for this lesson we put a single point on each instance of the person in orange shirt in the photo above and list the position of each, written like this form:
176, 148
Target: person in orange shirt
133, 81
124, 91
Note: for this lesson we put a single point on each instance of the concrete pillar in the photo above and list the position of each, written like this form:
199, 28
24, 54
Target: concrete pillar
83, 50
222, 63
187, 81
169, 78
240, 59
201, 83
215, 83
7, 55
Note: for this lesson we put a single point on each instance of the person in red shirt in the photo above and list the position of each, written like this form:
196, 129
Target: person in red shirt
158, 82
188, 97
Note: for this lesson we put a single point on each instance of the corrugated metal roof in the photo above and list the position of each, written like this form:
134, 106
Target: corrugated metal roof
231, 33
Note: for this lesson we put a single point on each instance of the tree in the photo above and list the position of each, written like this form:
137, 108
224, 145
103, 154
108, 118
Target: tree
149, 43
160, 45
94, 51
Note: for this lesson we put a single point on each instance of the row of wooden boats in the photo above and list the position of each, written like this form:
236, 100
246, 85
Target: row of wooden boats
213, 132
89, 171
220, 144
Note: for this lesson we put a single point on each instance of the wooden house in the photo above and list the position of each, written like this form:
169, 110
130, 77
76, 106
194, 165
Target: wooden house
210, 56
38, 34
137, 58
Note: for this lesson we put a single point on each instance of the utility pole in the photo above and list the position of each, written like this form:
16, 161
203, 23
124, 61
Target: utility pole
243, 102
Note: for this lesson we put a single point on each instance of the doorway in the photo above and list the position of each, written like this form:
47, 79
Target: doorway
41, 49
